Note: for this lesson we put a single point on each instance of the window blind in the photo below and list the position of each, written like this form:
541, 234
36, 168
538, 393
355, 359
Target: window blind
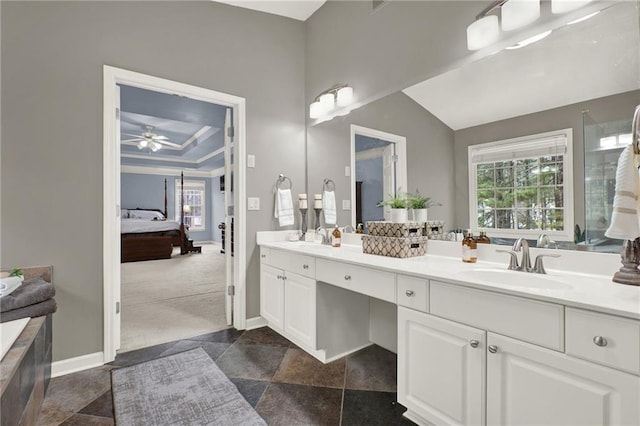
519, 150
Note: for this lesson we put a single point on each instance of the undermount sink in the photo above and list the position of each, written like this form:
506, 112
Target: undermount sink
516, 279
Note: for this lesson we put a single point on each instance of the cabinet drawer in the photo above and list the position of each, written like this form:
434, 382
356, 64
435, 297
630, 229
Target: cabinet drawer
619, 343
536, 322
294, 262
265, 255
374, 283
413, 293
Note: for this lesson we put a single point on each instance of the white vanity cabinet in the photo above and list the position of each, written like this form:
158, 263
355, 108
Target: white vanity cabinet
288, 299
445, 356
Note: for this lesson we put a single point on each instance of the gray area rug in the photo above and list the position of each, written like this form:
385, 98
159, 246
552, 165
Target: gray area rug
183, 389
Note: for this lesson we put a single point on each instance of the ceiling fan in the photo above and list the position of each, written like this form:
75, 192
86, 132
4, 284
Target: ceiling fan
150, 140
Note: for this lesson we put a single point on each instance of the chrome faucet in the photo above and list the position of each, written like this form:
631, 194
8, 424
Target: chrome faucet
545, 242
523, 245
324, 233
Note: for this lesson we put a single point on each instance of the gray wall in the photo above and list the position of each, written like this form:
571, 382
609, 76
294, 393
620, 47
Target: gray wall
379, 53
430, 166
52, 63
609, 108
369, 172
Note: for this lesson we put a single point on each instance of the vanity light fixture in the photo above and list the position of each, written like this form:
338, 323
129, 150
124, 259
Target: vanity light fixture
483, 32
518, 13
563, 6
339, 96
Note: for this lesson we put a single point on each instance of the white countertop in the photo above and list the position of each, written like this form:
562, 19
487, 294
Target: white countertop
587, 291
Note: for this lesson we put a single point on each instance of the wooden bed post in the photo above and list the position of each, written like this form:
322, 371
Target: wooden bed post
183, 235
166, 212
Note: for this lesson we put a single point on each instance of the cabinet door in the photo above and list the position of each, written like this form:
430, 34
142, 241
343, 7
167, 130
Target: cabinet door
440, 369
527, 385
300, 309
272, 296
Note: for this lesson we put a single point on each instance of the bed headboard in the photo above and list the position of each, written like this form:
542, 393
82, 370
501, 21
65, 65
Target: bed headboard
164, 212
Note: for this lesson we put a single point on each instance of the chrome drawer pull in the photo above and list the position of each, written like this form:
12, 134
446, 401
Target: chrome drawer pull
600, 341
305, 266
493, 349
474, 343
263, 256
347, 277
409, 293
279, 277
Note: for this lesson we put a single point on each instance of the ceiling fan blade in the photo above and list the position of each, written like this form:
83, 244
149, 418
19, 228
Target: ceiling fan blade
135, 136
160, 137
175, 145
131, 140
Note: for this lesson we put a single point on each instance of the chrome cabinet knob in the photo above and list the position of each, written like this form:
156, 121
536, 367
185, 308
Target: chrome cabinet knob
493, 349
474, 343
347, 277
600, 341
305, 266
279, 277
263, 256
409, 293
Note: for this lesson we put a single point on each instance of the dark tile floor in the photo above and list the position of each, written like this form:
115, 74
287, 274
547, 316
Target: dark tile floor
283, 383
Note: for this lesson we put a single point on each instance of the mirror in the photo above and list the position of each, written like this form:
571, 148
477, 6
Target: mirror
582, 74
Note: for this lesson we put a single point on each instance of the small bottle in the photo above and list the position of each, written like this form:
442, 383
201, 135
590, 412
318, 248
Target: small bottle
359, 229
336, 237
469, 249
483, 239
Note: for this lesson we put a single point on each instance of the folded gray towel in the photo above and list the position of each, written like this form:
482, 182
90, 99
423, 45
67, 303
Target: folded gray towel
32, 291
39, 309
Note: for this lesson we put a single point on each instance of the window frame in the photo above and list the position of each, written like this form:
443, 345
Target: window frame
199, 185
512, 145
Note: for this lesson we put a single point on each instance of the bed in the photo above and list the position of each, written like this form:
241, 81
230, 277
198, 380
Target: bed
147, 234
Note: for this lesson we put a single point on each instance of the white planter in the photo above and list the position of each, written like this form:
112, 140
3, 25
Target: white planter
419, 215
399, 215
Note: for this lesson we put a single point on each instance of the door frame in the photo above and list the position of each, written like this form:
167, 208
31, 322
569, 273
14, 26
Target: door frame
111, 189
401, 165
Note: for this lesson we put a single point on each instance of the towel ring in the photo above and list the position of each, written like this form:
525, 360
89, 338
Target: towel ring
283, 179
328, 185
635, 128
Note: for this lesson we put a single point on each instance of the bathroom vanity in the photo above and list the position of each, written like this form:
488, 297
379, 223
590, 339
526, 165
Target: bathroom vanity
476, 343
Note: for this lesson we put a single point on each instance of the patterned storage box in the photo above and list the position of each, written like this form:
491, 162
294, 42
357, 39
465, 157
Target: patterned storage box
434, 230
394, 247
393, 229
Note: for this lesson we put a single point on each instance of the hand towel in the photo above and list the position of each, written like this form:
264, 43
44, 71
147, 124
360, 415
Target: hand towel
284, 207
329, 207
32, 291
625, 220
39, 309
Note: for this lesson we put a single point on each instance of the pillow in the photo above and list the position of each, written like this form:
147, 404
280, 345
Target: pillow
145, 214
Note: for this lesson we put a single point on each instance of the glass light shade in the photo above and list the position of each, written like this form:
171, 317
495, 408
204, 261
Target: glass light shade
344, 96
316, 110
155, 146
483, 32
327, 101
143, 144
518, 13
564, 6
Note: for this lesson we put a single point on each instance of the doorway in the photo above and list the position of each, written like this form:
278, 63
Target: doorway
234, 147
379, 171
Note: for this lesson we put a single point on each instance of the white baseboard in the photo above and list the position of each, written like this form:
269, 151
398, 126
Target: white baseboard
79, 363
255, 322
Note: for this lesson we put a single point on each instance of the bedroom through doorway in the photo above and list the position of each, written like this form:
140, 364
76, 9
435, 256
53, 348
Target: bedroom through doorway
175, 267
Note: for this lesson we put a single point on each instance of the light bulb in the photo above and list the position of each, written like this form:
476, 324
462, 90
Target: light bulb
344, 96
483, 32
143, 144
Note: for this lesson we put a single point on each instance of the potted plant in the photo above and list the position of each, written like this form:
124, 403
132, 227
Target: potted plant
398, 205
419, 205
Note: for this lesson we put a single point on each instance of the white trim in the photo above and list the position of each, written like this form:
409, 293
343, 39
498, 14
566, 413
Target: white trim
161, 171
173, 159
79, 363
111, 191
568, 184
401, 165
255, 322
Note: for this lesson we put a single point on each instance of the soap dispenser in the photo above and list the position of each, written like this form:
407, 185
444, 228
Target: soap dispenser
336, 237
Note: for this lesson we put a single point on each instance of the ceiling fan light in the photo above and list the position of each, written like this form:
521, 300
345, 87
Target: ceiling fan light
344, 96
483, 32
143, 144
155, 146
518, 13
564, 6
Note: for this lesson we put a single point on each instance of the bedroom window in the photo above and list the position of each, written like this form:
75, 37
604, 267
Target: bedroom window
523, 187
194, 204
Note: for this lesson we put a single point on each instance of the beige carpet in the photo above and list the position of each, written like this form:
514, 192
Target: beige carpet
171, 299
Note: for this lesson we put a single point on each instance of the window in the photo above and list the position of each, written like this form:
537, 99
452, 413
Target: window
523, 187
194, 203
